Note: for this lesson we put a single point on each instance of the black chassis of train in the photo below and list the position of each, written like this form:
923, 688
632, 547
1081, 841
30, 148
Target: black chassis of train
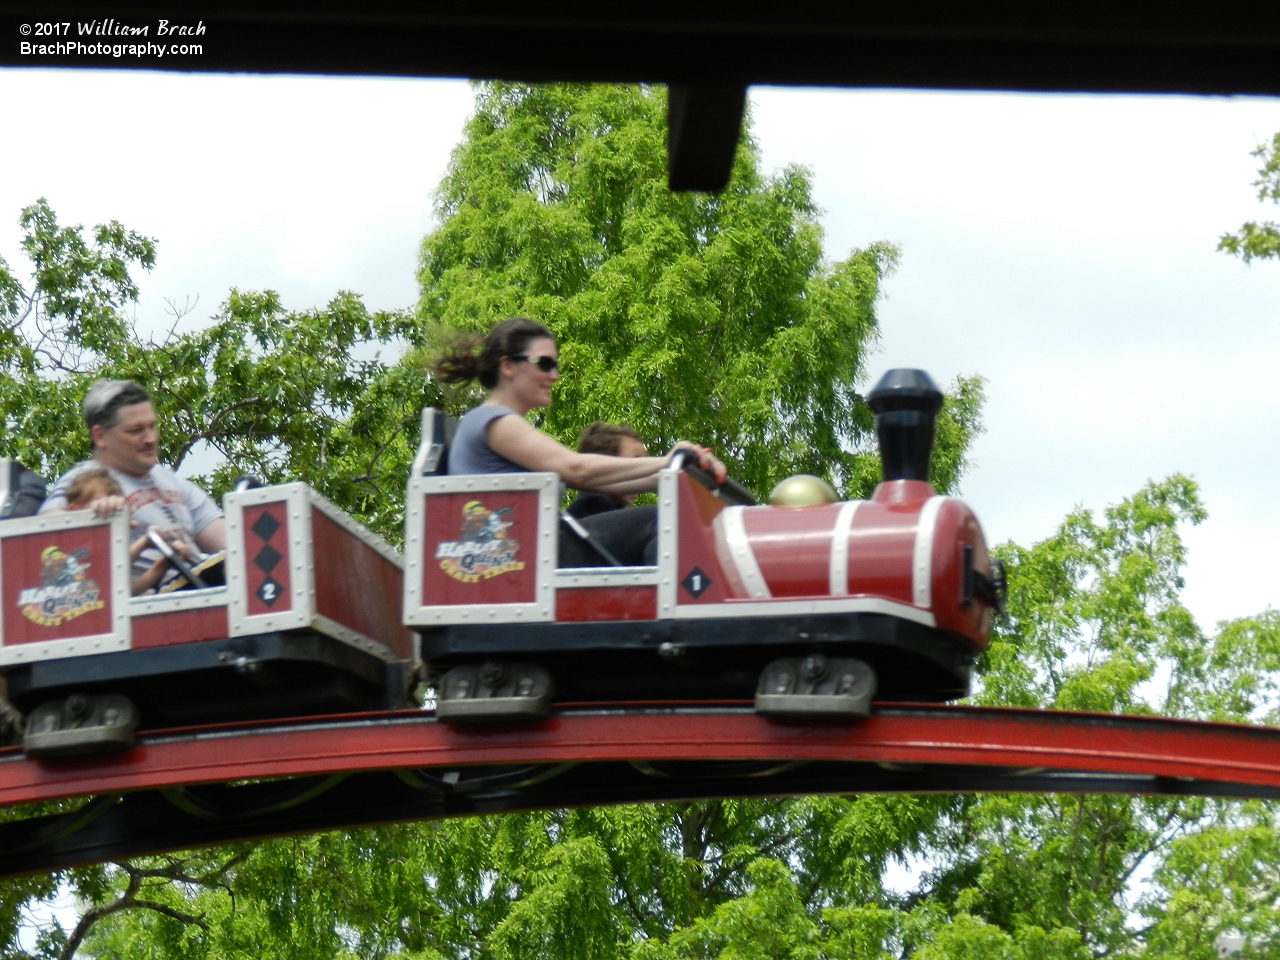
718, 658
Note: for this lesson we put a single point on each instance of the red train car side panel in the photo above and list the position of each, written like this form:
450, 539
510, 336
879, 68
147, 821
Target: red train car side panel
699, 575
882, 540
606, 603
180, 626
792, 546
57, 585
856, 548
356, 586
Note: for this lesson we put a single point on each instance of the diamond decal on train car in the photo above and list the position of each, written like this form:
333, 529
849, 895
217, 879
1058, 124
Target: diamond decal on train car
265, 526
267, 558
696, 582
268, 592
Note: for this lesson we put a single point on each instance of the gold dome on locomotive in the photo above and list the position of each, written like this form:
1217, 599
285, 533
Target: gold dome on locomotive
802, 490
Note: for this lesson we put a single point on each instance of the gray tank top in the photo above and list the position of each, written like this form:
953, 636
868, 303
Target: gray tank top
470, 452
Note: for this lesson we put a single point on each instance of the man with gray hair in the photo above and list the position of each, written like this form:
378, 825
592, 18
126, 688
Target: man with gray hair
123, 435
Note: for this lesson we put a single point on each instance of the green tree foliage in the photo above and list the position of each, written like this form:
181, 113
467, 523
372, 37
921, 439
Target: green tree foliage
281, 394
705, 317
1260, 240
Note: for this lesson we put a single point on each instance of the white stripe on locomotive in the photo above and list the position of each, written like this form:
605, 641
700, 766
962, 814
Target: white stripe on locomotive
740, 552
922, 555
838, 569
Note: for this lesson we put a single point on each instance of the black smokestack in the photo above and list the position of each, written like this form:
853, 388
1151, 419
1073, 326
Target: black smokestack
905, 402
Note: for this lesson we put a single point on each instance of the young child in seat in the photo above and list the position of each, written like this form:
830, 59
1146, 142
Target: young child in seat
91, 485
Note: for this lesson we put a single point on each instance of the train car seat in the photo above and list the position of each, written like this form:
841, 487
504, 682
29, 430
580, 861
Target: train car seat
21, 490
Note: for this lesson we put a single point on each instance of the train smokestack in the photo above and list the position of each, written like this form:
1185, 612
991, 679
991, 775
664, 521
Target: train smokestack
906, 403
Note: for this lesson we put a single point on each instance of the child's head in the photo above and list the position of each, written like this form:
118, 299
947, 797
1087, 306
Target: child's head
90, 485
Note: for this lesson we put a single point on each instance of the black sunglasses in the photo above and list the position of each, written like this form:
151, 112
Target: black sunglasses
545, 364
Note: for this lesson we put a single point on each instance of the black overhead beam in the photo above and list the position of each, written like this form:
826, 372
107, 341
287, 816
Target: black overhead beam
707, 48
1177, 46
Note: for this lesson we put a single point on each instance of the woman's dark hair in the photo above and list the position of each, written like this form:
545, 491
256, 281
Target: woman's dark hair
510, 338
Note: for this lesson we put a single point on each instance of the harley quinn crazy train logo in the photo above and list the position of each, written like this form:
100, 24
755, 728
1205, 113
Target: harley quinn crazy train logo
65, 590
483, 549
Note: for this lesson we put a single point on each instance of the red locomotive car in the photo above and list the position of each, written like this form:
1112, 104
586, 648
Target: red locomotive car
810, 608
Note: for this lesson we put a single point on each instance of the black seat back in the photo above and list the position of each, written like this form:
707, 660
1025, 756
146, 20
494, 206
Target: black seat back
21, 490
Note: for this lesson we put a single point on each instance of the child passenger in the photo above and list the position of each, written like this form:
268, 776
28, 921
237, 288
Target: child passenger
91, 485
613, 440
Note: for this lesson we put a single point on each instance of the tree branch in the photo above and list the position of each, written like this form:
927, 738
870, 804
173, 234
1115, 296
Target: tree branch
95, 914
170, 912
207, 434
175, 872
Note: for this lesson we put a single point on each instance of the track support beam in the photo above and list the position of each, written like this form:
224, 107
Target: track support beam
170, 791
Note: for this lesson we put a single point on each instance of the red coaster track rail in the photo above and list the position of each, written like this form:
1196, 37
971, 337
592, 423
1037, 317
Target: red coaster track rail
171, 790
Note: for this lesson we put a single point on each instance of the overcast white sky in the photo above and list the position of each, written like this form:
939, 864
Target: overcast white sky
1062, 247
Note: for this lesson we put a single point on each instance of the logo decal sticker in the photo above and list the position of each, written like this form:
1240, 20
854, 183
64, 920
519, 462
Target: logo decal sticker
483, 549
65, 590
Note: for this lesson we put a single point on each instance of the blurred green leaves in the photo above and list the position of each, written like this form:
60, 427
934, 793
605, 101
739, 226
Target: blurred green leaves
282, 394
1259, 241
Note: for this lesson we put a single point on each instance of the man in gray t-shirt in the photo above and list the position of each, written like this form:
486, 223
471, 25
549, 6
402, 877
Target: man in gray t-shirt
122, 430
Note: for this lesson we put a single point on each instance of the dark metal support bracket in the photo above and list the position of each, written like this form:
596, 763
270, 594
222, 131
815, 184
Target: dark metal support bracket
704, 123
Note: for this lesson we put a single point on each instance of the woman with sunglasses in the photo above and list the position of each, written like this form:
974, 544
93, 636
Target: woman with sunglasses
517, 364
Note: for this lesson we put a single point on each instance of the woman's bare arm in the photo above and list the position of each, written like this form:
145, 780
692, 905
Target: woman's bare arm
520, 442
